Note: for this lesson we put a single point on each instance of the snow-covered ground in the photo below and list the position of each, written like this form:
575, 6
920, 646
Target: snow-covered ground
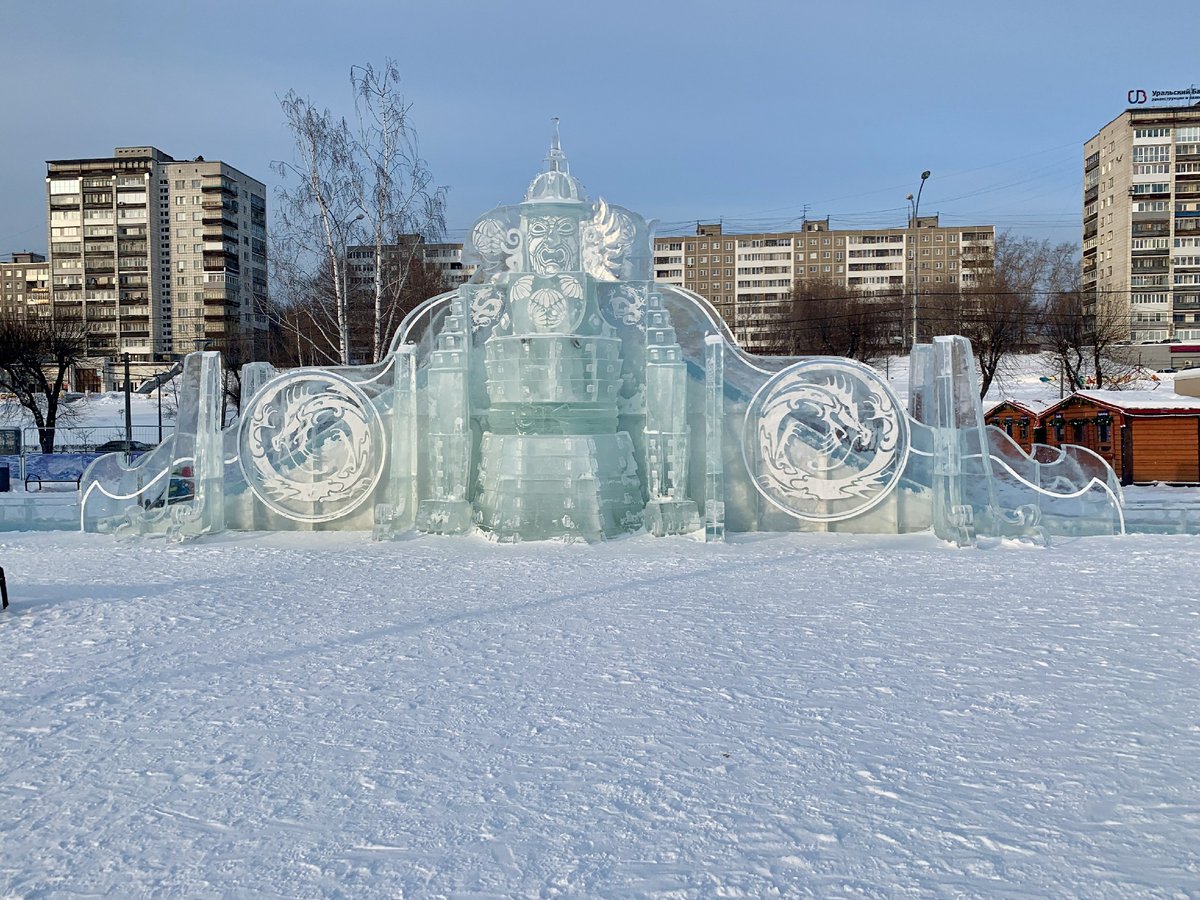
315, 714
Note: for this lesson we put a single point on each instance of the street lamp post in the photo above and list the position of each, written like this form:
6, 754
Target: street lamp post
915, 207
128, 412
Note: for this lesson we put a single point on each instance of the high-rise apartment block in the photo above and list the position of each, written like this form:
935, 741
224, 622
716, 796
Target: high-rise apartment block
25, 286
749, 277
1141, 222
157, 256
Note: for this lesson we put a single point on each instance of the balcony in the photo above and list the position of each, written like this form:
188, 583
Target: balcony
224, 185
219, 217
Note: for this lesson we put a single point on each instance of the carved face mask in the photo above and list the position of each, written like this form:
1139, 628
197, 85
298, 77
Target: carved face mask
553, 245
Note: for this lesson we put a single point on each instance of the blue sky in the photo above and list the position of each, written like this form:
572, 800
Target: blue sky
740, 111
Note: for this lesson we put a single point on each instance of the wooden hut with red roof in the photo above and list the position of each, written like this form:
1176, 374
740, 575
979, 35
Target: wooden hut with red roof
1016, 419
1145, 436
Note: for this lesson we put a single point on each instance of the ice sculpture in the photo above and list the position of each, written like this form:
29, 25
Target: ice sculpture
564, 394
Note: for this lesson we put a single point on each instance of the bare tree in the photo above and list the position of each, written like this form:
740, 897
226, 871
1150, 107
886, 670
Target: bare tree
36, 356
825, 318
999, 320
1085, 335
317, 216
397, 191
360, 186
1004, 311
1065, 328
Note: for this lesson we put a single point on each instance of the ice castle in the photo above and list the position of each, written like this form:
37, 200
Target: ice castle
563, 394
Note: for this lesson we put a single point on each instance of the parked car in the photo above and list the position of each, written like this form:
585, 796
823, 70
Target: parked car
180, 487
123, 445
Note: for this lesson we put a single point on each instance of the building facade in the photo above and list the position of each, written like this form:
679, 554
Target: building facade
157, 256
1141, 222
25, 286
749, 278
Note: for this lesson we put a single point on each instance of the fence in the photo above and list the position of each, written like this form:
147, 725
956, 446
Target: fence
89, 438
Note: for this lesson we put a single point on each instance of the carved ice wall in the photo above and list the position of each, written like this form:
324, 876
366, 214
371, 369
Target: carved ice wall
564, 394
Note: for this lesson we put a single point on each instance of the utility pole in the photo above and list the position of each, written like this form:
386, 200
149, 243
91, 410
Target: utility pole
128, 412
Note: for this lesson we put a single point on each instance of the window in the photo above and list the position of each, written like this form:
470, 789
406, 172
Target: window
1152, 153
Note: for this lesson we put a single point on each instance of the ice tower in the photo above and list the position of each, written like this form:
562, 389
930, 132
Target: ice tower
553, 461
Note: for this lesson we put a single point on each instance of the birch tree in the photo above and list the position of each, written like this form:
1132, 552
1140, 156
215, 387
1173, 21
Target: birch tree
358, 184
318, 211
402, 204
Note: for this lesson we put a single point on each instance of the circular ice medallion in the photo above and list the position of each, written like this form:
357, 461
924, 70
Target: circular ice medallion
310, 446
825, 439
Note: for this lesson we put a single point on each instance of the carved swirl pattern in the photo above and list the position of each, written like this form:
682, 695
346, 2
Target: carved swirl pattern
311, 446
825, 440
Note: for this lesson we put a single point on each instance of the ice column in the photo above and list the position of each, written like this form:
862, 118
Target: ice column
448, 510
946, 399
669, 510
398, 514
714, 424
199, 445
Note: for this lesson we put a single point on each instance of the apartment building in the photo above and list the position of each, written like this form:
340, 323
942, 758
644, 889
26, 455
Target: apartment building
445, 258
749, 277
157, 256
1141, 222
25, 286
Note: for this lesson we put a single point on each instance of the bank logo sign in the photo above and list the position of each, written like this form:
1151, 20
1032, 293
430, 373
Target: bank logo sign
1138, 97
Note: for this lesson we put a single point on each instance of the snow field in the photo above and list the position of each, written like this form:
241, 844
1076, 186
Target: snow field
314, 714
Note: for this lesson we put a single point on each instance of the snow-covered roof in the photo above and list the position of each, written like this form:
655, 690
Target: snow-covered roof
1143, 401
1188, 382
1033, 406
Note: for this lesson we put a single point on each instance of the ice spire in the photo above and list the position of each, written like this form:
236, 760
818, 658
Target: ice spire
555, 181
556, 161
